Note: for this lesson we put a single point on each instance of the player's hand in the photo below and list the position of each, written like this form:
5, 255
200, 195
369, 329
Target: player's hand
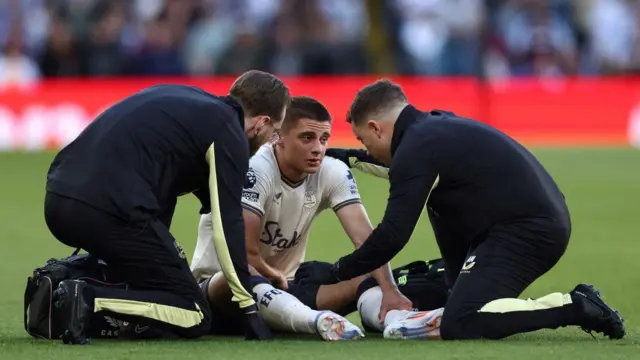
393, 299
316, 272
255, 328
280, 281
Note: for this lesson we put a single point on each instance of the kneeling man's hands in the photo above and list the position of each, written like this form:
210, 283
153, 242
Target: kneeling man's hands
316, 272
392, 299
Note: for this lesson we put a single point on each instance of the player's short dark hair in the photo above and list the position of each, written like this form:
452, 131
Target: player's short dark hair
304, 107
375, 98
261, 93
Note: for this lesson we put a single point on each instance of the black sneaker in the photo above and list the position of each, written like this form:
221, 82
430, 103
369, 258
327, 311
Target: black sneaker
70, 298
595, 314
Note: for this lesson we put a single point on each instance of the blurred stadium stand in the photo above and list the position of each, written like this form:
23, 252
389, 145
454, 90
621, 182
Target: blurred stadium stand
483, 38
540, 70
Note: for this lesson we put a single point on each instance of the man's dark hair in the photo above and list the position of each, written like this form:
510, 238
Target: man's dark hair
304, 107
261, 93
375, 98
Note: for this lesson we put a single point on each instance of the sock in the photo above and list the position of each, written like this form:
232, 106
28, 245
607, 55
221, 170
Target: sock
369, 307
284, 312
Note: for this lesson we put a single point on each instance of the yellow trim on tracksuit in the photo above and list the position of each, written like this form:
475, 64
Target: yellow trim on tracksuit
165, 313
240, 294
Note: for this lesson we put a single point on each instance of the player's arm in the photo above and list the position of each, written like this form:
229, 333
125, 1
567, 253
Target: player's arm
227, 169
361, 160
252, 223
356, 224
344, 198
252, 229
257, 190
414, 173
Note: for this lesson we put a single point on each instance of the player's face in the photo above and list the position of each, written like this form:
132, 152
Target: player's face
304, 145
372, 135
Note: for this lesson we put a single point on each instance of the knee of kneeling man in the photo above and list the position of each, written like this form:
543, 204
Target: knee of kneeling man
193, 334
197, 331
451, 326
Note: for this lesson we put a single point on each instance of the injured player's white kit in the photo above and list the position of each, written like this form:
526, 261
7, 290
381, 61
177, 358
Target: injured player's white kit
287, 210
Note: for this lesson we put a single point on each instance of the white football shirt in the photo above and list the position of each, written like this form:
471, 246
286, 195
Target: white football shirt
287, 210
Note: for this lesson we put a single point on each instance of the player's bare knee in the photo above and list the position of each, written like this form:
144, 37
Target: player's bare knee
336, 296
218, 290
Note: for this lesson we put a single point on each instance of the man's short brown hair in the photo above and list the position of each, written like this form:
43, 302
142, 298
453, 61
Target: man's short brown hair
304, 107
373, 99
261, 93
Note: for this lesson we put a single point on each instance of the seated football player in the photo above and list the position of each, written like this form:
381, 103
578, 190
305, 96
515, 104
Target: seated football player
288, 184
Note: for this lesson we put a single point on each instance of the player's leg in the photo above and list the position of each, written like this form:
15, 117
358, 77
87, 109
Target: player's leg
285, 312
484, 304
340, 298
346, 297
423, 283
162, 292
280, 310
369, 304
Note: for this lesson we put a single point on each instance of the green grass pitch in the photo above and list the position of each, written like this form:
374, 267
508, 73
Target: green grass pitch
603, 191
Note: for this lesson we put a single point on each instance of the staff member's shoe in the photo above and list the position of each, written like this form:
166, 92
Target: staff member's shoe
594, 314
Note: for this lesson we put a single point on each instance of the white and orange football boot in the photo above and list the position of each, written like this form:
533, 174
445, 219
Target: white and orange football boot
421, 325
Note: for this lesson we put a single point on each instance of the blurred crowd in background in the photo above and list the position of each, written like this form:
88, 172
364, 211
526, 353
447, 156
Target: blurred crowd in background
484, 38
